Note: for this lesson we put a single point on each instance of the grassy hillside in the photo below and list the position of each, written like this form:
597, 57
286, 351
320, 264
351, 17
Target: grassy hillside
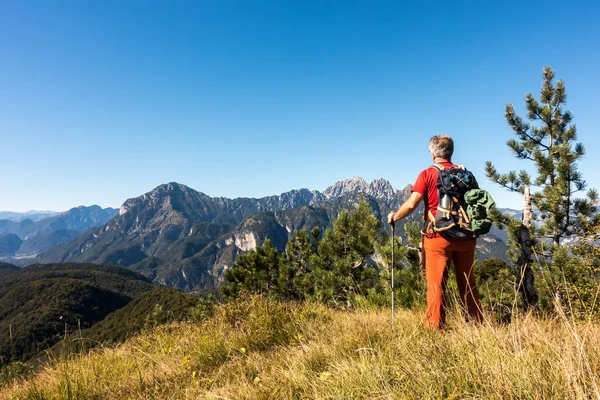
157, 306
35, 315
260, 349
41, 304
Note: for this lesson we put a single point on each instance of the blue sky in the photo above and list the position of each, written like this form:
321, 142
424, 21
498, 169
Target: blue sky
102, 101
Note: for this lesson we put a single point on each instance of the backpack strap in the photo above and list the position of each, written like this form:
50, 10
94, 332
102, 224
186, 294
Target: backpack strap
440, 167
430, 215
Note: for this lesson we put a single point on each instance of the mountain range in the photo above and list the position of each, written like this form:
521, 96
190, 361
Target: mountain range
33, 215
182, 238
22, 239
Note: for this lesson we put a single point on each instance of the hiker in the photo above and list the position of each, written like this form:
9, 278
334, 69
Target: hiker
439, 247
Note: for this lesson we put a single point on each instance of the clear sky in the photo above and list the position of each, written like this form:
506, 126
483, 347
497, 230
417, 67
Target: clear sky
104, 100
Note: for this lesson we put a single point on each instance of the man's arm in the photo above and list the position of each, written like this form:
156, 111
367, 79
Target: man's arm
406, 209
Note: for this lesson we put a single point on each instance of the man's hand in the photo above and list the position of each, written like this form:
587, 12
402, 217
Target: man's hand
391, 218
408, 207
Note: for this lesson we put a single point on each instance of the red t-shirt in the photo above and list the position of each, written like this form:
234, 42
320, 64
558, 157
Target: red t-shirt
426, 185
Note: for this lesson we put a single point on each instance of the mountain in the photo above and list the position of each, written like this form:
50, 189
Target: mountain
38, 236
491, 246
9, 244
378, 189
32, 215
185, 239
40, 303
516, 214
278, 226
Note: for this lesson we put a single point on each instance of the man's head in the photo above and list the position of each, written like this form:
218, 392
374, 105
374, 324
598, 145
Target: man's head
441, 146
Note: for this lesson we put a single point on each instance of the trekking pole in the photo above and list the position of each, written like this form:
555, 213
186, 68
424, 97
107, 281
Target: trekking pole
392, 276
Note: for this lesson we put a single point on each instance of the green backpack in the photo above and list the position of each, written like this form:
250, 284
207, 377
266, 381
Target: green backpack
479, 207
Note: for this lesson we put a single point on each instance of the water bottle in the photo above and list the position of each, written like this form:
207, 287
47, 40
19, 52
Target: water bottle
445, 202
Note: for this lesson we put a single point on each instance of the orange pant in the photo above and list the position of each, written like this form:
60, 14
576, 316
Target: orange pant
438, 254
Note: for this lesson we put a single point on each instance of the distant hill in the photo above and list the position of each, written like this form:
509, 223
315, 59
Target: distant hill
8, 266
6, 269
32, 215
185, 239
39, 304
9, 244
23, 238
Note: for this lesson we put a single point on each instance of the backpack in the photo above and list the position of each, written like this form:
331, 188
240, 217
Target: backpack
463, 210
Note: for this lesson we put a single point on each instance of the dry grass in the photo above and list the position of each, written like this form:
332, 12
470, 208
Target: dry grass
259, 349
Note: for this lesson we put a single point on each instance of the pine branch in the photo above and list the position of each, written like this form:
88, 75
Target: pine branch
540, 117
509, 181
518, 128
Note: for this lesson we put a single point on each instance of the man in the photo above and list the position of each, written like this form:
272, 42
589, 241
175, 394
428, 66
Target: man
440, 251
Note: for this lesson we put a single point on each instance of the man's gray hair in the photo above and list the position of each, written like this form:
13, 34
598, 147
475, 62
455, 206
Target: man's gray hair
441, 146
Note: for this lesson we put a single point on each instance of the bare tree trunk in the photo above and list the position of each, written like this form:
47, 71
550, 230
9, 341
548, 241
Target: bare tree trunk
526, 287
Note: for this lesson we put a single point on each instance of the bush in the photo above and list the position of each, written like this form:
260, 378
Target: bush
497, 284
570, 283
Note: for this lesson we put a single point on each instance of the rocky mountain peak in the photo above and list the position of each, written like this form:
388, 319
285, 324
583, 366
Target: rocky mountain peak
378, 188
381, 189
170, 187
354, 184
157, 196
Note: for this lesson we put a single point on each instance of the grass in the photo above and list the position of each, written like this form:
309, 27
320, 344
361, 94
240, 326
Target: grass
261, 349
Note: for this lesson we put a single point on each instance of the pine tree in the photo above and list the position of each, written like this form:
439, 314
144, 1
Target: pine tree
254, 272
548, 141
341, 268
332, 269
293, 279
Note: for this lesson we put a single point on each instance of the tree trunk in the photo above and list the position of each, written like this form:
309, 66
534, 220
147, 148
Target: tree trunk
556, 240
526, 286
